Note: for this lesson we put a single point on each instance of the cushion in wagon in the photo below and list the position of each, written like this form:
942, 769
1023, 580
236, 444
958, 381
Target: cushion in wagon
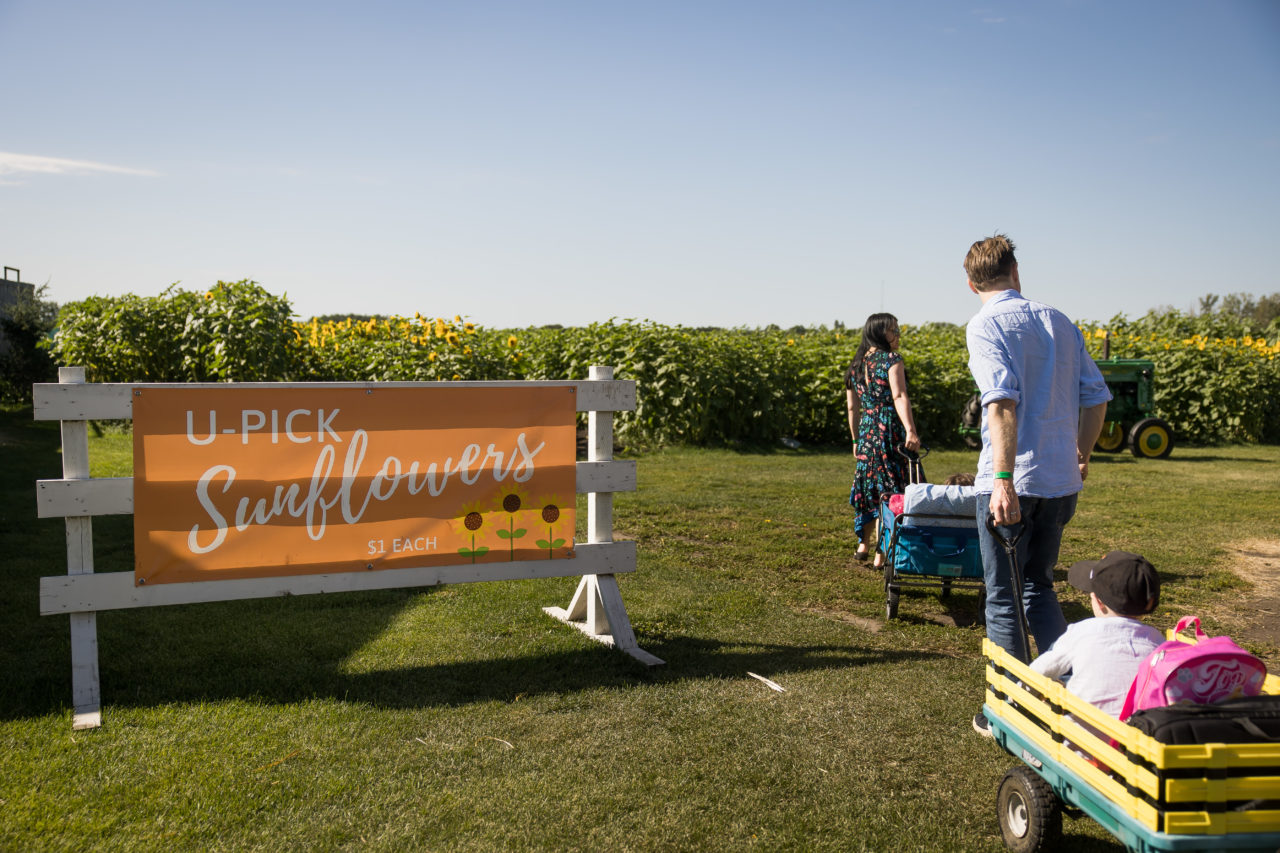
940, 500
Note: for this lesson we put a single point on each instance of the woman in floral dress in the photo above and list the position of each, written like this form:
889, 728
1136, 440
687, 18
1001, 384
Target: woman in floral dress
880, 422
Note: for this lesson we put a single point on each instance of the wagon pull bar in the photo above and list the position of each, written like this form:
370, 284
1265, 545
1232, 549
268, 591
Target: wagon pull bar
1007, 543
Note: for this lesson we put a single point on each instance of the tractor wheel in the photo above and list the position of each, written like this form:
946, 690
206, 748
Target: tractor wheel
1030, 814
1151, 438
1112, 438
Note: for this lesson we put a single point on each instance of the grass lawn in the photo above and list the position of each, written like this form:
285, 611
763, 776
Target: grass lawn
464, 718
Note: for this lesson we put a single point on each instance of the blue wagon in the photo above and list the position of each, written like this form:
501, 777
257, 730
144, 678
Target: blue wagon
932, 543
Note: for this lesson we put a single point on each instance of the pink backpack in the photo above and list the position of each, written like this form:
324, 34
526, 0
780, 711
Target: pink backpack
1210, 670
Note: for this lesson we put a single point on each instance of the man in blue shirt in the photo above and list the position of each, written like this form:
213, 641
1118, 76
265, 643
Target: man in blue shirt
1044, 402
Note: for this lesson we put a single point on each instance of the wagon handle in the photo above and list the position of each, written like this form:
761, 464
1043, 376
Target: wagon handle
1007, 543
913, 454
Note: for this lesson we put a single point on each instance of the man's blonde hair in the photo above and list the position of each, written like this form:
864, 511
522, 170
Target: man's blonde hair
990, 261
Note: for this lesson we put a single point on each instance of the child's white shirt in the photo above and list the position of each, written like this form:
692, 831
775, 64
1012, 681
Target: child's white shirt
1102, 654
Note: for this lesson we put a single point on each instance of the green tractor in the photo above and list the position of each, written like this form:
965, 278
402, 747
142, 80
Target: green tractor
1130, 414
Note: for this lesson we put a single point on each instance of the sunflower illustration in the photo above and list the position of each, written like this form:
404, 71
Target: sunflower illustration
511, 500
550, 515
469, 522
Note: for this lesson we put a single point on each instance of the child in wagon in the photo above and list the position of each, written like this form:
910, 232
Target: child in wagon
1101, 655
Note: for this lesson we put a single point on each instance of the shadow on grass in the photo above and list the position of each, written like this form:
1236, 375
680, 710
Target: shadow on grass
177, 658
688, 658
960, 607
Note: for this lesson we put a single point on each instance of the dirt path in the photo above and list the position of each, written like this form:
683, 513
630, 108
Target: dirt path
1258, 609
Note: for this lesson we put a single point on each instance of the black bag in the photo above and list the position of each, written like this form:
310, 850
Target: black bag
1247, 719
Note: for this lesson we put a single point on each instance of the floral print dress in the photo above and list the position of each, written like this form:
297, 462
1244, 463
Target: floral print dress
881, 469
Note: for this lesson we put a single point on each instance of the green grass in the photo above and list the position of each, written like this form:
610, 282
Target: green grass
464, 719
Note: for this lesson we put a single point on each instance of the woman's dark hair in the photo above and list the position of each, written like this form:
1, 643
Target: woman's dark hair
874, 334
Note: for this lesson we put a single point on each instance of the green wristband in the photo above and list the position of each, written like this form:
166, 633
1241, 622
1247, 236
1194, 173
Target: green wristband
1003, 475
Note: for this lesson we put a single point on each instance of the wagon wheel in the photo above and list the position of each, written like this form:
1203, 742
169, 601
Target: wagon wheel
891, 591
1112, 438
1030, 814
1151, 438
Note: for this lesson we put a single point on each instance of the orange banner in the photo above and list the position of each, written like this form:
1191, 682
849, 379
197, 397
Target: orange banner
266, 482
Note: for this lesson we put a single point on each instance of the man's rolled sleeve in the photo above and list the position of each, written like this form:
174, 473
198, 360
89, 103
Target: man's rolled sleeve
989, 364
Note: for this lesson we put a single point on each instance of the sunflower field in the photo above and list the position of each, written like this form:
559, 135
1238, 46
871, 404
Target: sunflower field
1216, 380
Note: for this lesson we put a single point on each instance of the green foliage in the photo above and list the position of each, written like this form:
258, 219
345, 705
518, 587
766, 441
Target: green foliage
938, 379
749, 386
26, 324
1216, 381
241, 334
233, 332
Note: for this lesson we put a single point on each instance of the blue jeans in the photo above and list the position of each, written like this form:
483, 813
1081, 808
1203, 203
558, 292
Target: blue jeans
1037, 553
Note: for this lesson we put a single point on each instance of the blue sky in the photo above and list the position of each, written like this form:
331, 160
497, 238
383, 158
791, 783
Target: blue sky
697, 163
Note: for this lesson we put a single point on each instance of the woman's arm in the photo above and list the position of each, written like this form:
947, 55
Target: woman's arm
851, 403
898, 388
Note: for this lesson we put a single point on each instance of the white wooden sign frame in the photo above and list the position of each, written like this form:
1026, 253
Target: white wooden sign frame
596, 607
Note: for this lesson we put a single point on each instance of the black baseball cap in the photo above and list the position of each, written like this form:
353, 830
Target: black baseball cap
1125, 582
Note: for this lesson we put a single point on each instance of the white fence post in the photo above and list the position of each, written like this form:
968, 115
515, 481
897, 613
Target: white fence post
86, 695
596, 607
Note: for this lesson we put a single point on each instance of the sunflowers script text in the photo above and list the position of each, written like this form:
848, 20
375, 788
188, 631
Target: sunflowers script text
215, 486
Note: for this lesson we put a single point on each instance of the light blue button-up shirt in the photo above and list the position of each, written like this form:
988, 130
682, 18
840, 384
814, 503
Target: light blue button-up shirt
1034, 355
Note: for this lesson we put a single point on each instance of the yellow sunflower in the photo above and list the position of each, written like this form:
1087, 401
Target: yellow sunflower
551, 514
510, 502
470, 523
